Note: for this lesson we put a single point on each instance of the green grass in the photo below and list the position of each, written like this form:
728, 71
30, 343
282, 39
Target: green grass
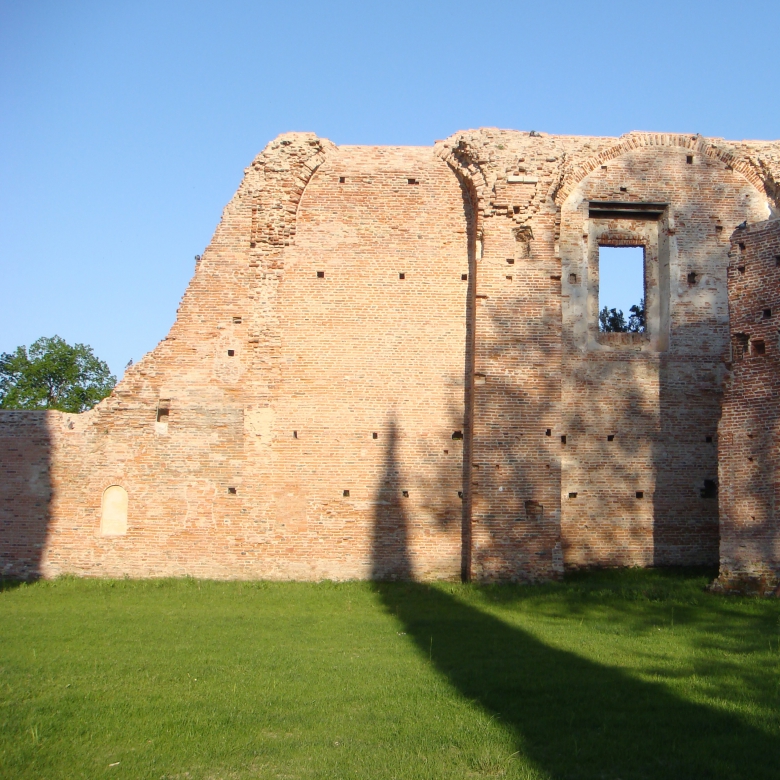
632, 674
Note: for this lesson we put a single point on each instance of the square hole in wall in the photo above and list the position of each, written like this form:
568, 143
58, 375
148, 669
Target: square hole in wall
232, 491
295, 434
640, 494
692, 277
572, 278
412, 181
405, 493
621, 289
741, 269
689, 159
320, 274
718, 228
758, 347
777, 261
572, 495
611, 437
457, 434
464, 277
766, 313
345, 494
402, 276
460, 494
563, 439
374, 435
510, 260
548, 432
231, 353
710, 489
237, 320
708, 439
342, 179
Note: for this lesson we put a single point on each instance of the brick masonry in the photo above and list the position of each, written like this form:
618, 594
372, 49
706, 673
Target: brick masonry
750, 424
387, 365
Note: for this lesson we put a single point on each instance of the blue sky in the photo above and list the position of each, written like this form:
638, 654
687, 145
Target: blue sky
125, 127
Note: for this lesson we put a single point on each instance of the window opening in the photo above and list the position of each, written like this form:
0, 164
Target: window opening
622, 289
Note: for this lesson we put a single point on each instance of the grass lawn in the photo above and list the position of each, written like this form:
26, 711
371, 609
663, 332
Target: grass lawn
631, 674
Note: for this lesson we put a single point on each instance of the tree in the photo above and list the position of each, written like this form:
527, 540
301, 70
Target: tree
636, 322
614, 321
53, 375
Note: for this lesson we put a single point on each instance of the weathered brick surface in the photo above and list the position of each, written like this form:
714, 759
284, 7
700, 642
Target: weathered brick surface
313, 414
750, 425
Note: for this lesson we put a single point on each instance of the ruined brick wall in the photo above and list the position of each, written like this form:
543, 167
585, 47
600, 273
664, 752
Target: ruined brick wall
750, 425
641, 414
376, 360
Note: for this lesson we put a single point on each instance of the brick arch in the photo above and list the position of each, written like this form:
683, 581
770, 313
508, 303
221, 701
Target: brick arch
283, 170
634, 141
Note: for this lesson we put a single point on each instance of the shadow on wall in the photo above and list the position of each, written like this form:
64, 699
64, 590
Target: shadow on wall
25, 492
565, 711
390, 558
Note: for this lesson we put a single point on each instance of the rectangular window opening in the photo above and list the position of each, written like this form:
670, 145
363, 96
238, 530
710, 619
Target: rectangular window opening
689, 159
640, 494
563, 439
611, 437
758, 347
766, 314
412, 181
457, 434
374, 435
572, 495
622, 289
320, 274
710, 489
708, 439
163, 410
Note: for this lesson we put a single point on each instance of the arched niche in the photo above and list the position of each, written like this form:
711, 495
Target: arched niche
113, 516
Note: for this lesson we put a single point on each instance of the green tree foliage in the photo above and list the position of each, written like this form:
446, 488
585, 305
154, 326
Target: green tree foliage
614, 321
53, 375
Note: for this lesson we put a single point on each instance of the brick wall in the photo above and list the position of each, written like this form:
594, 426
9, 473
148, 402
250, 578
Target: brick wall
750, 425
312, 414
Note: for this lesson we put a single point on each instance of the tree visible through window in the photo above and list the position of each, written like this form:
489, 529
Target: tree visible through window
621, 289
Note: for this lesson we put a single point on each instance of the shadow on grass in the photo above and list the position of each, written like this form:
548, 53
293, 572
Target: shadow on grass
575, 718
572, 717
